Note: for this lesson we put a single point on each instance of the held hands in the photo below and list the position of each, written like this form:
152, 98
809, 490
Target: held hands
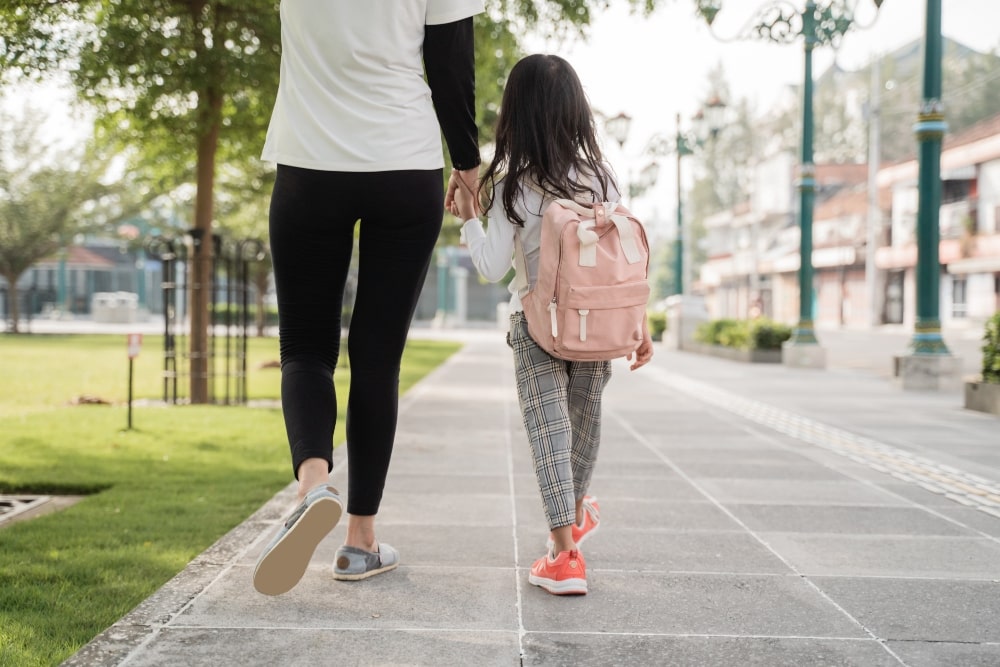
461, 199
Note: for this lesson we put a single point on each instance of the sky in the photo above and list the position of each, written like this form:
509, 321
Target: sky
654, 67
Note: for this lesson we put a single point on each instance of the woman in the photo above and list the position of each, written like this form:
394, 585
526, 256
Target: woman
356, 134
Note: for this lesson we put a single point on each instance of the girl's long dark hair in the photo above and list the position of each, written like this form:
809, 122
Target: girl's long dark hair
545, 130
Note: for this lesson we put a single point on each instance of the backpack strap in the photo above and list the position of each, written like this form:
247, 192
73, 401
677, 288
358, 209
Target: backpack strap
627, 235
588, 237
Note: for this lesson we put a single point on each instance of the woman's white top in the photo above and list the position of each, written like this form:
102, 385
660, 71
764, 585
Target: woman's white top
492, 249
352, 95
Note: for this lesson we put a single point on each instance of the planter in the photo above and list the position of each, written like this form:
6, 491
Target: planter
735, 354
983, 397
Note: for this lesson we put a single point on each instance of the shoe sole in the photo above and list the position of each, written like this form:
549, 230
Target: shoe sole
564, 587
283, 567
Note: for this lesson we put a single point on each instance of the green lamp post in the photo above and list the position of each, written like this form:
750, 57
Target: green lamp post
928, 364
818, 24
682, 147
930, 129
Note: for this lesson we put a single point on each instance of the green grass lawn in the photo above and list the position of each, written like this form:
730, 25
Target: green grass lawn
157, 495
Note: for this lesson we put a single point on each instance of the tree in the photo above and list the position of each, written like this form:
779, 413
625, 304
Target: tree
189, 83
46, 197
842, 96
723, 167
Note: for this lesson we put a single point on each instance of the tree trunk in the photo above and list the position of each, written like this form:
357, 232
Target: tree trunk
201, 259
13, 311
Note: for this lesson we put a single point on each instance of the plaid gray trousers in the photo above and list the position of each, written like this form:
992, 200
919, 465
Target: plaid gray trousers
561, 406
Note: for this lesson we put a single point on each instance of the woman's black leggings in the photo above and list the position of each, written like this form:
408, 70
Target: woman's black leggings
312, 223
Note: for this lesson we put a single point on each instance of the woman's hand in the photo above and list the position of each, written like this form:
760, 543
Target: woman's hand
461, 199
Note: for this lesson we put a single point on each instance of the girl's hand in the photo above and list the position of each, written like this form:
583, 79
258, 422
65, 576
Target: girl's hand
460, 199
642, 354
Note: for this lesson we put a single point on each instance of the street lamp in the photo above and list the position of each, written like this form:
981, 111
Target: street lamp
618, 127
928, 364
706, 125
818, 24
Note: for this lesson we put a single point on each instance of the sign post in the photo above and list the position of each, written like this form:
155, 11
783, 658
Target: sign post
134, 345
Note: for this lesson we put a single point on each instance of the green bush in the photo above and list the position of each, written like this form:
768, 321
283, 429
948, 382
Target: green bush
736, 336
219, 314
757, 334
656, 320
710, 332
768, 335
991, 350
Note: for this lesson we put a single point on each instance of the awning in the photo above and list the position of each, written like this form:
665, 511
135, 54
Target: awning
975, 265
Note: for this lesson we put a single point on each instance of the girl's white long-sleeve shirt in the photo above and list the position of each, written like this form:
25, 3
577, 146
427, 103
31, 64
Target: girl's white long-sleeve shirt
492, 249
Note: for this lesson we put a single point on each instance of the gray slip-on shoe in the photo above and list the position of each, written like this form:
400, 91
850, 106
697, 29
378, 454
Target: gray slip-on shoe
284, 561
352, 564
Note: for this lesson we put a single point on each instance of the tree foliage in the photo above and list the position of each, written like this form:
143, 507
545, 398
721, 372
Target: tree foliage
842, 98
46, 197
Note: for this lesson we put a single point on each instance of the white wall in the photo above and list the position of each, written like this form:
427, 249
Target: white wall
773, 187
989, 197
904, 214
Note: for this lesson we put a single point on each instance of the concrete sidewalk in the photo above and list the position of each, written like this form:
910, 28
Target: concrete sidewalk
751, 515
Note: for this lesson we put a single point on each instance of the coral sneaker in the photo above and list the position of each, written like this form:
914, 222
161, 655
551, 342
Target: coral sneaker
566, 574
591, 522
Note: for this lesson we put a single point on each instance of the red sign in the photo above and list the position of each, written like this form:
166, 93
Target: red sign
134, 343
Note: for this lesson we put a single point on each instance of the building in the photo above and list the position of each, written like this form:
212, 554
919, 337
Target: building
969, 249
754, 248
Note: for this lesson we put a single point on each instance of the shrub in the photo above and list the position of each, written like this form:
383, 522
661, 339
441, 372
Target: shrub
991, 350
736, 335
757, 334
768, 335
656, 320
710, 332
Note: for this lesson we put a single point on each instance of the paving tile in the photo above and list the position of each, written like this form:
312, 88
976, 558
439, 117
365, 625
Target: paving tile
408, 598
936, 654
775, 471
798, 492
441, 483
921, 609
641, 551
601, 650
844, 520
709, 604
881, 555
612, 489
308, 648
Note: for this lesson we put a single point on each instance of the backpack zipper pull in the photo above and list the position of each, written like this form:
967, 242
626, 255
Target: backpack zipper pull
583, 323
552, 317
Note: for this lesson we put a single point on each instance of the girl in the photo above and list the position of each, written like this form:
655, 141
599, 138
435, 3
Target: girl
546, 148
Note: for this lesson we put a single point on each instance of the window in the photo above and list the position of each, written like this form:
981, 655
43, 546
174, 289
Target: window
959, 306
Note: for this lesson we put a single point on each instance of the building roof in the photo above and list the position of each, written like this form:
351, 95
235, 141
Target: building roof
972, 146
80, 257
984, 129
841, 174
851, 202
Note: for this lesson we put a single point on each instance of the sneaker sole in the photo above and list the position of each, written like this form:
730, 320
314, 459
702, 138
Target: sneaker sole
286, 563
564, 587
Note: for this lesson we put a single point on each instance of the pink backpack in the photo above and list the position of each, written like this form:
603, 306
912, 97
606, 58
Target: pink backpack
589, 302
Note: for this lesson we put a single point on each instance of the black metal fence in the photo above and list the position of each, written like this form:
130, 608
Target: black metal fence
231, 305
